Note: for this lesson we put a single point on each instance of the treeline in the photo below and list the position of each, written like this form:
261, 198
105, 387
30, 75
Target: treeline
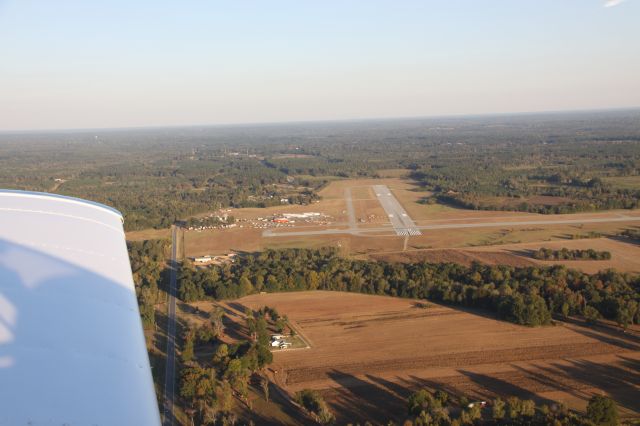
631, 233
523, 295
567, 254
209, 384
148, 265
442, 409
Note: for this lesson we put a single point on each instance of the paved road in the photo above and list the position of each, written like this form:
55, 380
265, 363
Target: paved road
170, 372
398, 217
270, 233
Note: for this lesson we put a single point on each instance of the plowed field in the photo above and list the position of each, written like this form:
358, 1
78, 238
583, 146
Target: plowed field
369, 352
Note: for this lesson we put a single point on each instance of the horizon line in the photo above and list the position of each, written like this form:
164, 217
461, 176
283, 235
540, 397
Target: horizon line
314, 121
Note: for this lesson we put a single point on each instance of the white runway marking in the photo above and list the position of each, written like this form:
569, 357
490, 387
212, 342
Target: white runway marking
398, 217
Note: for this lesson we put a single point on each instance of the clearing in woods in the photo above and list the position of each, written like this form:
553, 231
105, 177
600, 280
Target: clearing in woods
395, 347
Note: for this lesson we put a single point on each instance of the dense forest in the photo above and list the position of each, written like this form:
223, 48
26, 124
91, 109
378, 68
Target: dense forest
547, 163
148, 265
528, 296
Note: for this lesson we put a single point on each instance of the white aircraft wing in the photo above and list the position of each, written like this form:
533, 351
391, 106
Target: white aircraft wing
72, 350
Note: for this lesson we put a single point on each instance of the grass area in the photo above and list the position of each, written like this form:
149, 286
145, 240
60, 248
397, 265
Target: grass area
361, 193
296, 343
624, 182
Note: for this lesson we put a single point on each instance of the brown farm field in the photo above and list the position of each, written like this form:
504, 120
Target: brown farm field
625, 255
369, 352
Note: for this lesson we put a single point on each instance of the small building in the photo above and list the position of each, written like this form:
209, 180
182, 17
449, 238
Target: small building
202, 259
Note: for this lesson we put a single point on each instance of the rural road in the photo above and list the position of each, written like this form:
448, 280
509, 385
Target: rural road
170, 372
270, 233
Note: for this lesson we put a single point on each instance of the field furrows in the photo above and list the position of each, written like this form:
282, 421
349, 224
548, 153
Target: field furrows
458, 360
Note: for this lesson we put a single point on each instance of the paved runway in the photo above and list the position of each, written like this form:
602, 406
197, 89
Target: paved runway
398, 217
270, 233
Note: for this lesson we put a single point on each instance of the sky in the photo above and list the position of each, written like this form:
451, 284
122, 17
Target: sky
116, 63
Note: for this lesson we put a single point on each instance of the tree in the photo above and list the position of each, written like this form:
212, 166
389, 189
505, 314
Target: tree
245, 286
498, 409
313, 402
528, 408
419, 401
222, 352
591, 314
442, 396
187, 352
264, 384
224, 397
469, 415
197, 387
625, 313
514, 406
264, 355
602, 411
216, 317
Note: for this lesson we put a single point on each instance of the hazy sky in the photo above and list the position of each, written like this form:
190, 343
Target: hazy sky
113, 63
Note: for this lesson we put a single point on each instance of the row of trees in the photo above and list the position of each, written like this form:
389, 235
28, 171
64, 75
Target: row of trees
524, 295
437, 409
568, 254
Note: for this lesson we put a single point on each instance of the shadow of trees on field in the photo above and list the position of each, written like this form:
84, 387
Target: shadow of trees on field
277, 411
528, 253
358, 400
579, 377
622, 340
239, 307
493, 387
377, 399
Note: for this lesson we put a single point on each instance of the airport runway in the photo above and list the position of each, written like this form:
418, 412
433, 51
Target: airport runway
170, 372
398, 217
270, 233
